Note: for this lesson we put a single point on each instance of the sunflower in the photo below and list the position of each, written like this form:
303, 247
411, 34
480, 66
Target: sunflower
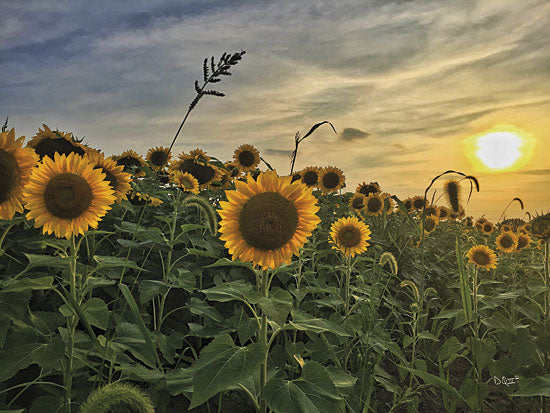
130, 159
469, 221
415, 242
487, 228
67, 195
408, 203
390, 202
540, 225
331, 179
203, 172
444, 213
454, 215
158, 157
247, 157
296, 176
349, 236
418, 202
138, 198
430, 224
114, 175
185, 181
374, 205
480, 222
198, 155
524, 229
47, 142
310, 176
367, 189
233, 169
540, 244
267, 221
452, 189
482, 256
507, 241
506, 228
432, 210
523, 240
357, 202
16, 164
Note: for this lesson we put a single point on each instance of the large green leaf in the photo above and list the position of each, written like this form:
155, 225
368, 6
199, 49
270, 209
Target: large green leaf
222, 365
96, 312
36, 260
148, 289
277, 306
313, 392
539, 386
110, 262
24, 284
231, 291
306, 322
436, 381
20, 354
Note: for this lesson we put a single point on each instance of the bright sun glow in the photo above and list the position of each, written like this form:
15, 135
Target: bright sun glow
499, 150
502, 148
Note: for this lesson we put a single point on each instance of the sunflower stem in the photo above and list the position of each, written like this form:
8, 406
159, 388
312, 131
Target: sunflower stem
264, 343
71, 325
348, 280
167, 267
4, 236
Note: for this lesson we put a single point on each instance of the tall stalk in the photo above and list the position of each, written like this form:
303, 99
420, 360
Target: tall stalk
71, 325
263, 341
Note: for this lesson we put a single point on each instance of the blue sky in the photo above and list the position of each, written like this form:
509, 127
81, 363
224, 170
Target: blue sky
403, 82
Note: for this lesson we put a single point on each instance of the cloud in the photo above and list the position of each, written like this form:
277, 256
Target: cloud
277, 152
541, 172
350, 134
412, 74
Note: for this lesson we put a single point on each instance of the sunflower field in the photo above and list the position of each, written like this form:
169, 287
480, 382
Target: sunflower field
175, 283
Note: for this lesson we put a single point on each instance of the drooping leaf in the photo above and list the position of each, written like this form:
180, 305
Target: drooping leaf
222, 365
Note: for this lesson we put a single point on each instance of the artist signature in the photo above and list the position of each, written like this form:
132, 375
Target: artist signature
507, 381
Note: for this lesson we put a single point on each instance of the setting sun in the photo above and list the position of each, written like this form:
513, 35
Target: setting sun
500, 149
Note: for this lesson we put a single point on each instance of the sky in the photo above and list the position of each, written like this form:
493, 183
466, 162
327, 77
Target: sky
405, 84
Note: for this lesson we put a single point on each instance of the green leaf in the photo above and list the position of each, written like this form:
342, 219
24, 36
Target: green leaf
47, 404
343, 381
190, 227
436, 381
110, 262
22, 354
148, 289
427, 335
231, 291
225, 262
180, 381
222, 365
199, 307
46, 261
314, 391
139, 320
95, 282
277, 306
305, 322
96, 312
24, 284
450, 348
539, 386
